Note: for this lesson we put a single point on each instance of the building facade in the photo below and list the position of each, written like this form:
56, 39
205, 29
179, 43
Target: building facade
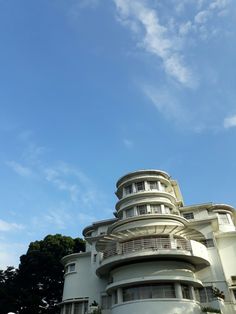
156, 256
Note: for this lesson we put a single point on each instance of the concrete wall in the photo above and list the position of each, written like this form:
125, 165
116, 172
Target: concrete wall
165, 306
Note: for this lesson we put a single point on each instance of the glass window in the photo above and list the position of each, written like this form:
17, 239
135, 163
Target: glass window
130, 212
166, 210
206, 294
149, 291
128, 189
152, 185
78, 308
234, 293
142, 209
185, 292
139, 186
106, 302
188, 215
70, 268
155, 209
68, 308
223, 219
208, 242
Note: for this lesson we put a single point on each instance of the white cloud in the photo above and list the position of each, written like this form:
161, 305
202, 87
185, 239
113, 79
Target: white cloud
165, 103
154, 37
19, 169
10, 226
202, 17
10, 253
230, 122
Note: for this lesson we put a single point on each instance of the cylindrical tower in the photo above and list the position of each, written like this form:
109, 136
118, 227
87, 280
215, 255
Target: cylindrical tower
149, 253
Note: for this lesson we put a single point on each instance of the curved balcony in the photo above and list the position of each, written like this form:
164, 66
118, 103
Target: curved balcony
119, 253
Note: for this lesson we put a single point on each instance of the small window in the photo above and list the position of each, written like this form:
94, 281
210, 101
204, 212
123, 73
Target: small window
139, 186
152, 185
68, 308
208, 242
142, 209
234, 293
106, 302
155, 209
129, 212
223, 219
128, 189
185, 292
70, 268
166, 210
94, 258
188, 215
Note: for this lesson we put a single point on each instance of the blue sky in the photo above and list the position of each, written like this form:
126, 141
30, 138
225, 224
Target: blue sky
90, 90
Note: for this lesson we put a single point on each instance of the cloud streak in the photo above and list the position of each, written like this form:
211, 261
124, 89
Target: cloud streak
154, 37
230, 122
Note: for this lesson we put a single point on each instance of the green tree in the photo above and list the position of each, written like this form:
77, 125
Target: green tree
37, 285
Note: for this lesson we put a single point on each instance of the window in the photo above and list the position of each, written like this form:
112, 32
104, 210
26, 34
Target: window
129, 212
155, 209
185, 292
208, 242
166, 210
128, 189
149, 292
152, 185
234, 293
142, 209
94, 258
68, 308
106, 302
139, 186
70, 268
188, 215
223, 219
78, 308
206, 294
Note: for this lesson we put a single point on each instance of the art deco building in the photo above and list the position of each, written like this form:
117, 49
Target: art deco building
156, 256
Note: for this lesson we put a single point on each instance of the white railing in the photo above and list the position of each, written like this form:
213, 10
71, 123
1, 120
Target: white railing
150, 244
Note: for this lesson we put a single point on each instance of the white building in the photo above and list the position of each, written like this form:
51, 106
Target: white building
156, 256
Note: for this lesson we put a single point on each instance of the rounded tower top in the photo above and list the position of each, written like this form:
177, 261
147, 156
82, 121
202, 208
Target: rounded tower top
142, 172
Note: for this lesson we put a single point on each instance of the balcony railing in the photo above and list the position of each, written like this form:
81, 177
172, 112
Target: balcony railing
149, 244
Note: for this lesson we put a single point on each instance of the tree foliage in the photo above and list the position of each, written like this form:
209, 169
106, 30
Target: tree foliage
36, 287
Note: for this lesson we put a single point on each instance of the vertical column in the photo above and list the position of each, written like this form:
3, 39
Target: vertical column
72, 308
162, 208
178, 291
119, 295
192, 293
159, 187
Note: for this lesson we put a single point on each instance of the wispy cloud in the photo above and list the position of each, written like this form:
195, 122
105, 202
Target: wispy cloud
230, 122
9, 226
21, 170
10, 252
154, 37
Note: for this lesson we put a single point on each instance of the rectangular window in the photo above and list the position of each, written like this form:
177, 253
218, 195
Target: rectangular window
139, 186
70, 268
68, 308
155, 209
166, 210
106, 302
129, 212
206, 294
78, 308
142, 209
128, 189
185, 292
94, 258
208, 242
234, 293
130, 294
152, 185
188, 215
223, 219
